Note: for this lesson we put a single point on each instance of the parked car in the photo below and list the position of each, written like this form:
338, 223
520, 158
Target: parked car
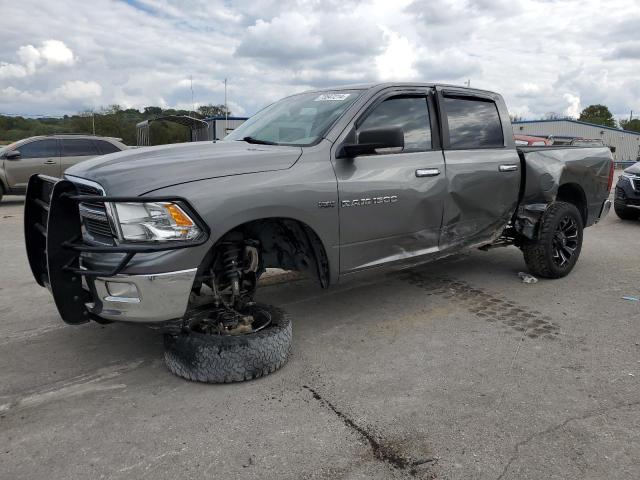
627, 195
330, 182
587, 142
49, 155
528, 140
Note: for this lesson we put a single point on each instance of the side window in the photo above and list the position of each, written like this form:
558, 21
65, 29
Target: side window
77, 147
39, 149
473, 123
409, 113
106, 147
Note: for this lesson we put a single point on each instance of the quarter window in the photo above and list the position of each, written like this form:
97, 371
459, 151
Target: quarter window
105, 147
39, 149
78, 147
409, 113
473, 123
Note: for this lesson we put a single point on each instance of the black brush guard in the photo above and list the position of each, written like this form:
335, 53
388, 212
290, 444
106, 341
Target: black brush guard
53, 237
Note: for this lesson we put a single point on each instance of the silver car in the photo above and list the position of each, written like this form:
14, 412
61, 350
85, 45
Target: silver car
48, 155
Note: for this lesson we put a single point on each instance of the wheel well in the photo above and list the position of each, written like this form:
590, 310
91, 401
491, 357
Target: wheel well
574, 194
285, 243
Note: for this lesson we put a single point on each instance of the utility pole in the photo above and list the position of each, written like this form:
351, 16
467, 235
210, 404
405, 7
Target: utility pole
193, 105
93, 122
226, 110
468, 82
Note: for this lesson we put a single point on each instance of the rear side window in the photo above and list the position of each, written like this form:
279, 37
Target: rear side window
473, 123
39, 149
106, 147
409, 113
78, 147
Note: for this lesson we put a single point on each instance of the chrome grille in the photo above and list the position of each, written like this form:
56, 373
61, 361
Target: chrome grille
95, 222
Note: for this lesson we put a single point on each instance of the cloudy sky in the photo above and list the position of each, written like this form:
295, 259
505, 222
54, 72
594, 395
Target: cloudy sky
63, 56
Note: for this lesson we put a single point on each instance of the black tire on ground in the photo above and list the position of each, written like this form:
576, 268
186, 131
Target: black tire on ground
539, 254
624, 212
230, 358
1, 192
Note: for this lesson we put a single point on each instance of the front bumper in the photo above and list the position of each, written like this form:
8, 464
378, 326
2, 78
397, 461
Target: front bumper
628, 191
150, 298
57, 253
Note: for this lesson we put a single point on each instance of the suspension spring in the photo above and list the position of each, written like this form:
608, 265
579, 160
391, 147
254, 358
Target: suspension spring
231, 260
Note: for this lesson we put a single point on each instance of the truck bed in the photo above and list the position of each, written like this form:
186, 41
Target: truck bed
548, 169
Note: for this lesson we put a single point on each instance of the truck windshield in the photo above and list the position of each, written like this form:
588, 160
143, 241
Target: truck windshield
297, 120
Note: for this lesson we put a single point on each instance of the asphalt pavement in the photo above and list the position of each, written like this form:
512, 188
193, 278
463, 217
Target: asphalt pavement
454, 370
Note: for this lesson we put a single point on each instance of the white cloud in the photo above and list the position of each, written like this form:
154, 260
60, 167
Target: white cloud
397, 61
52, 52
56, 52
574, 109
78, 90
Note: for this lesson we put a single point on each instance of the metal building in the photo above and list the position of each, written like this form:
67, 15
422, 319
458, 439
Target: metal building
212, 128
626, 143
220, 127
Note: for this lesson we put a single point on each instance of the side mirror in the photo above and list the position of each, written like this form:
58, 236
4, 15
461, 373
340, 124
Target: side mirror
613, 149
12, 155
372, 139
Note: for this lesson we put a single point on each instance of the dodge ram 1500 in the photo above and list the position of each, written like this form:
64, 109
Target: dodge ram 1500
329, 182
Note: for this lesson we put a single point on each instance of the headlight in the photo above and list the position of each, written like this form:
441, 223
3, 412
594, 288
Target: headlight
154, 221
635, 180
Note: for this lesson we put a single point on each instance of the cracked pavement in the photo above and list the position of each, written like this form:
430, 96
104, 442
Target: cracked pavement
451, 370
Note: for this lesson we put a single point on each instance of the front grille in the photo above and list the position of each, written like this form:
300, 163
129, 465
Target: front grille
95, 222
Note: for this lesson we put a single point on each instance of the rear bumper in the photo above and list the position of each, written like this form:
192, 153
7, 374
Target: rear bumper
141, 298
606, 206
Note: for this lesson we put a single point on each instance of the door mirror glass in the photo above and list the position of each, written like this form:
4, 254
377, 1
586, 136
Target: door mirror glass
374, 139
13, 155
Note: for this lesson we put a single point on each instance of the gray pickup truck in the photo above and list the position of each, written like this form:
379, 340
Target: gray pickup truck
329, 182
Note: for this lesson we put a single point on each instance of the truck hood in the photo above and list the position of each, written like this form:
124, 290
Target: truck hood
635, 169
140, 170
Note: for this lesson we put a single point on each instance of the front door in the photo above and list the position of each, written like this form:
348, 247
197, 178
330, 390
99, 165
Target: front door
390, 202
38, 156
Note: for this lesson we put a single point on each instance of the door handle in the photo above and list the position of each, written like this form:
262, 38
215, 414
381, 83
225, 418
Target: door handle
508, 168
427, 172
50, 162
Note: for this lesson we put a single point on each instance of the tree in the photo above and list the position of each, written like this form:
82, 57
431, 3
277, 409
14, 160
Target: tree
598, 114
632, 125
553, 116
212, 110
152, 111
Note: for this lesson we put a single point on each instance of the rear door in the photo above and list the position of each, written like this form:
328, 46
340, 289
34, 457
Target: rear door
390, 202
37, 156
75, 150
483, 167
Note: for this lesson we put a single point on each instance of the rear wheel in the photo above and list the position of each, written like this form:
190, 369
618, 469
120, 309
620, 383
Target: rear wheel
624, 212
556, 250
1, 192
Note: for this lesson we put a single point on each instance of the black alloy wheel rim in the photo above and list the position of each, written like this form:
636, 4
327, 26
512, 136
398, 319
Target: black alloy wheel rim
565, 241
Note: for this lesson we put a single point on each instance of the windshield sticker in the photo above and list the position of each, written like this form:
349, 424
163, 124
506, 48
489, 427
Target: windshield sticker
332, 97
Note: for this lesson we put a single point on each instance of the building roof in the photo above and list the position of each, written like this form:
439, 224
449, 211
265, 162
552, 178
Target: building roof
578, 122
222, 117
